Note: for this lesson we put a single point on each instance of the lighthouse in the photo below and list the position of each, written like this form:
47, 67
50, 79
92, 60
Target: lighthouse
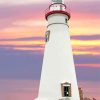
58, 77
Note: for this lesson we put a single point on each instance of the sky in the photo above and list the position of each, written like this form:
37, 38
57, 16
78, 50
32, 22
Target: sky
22, 32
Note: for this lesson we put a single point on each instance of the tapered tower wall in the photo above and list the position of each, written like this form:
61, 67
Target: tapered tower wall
58, 70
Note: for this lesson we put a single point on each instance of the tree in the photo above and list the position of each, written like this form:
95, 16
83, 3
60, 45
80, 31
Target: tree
87, 98
94, 99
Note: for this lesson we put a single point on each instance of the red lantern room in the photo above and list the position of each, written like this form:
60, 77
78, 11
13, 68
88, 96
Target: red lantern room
57, 6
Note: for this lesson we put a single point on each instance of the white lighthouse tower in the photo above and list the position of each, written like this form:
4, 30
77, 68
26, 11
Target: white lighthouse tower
58, 77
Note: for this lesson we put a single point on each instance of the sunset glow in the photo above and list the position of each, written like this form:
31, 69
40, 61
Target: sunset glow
22, 42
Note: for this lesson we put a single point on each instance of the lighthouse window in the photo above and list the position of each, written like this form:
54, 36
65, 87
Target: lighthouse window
47, 36
66, 90
66, 20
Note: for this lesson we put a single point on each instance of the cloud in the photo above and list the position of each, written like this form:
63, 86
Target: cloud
22, 10
17, 85
86, 37
24, 20
20, 64
87, 59
33, 44
86, 43
18, 89
88, 74
90, 89
22, 2
32, 48
30, 23
28, 89
86, 6
23, 39
12, 15
82, 44
89, 50
88, 65
36, 44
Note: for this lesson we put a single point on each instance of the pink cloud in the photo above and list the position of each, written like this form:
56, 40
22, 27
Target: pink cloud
88, 65
18, 89
90, 89
18, 96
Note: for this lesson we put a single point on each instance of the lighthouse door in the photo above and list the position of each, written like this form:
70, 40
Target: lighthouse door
66, 90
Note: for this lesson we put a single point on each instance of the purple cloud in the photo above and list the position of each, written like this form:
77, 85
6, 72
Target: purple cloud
20, 64
12, 13
24, 39
87, 49
86, 37
86, 59
22, 46
88, 74
31, 47
89, 7
20, 11
27, 65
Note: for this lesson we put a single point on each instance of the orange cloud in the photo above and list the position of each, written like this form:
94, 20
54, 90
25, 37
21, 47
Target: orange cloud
80, 47
29, 49
17, 43
86, 50
30, 23
85, 53
85, 43
84, 23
